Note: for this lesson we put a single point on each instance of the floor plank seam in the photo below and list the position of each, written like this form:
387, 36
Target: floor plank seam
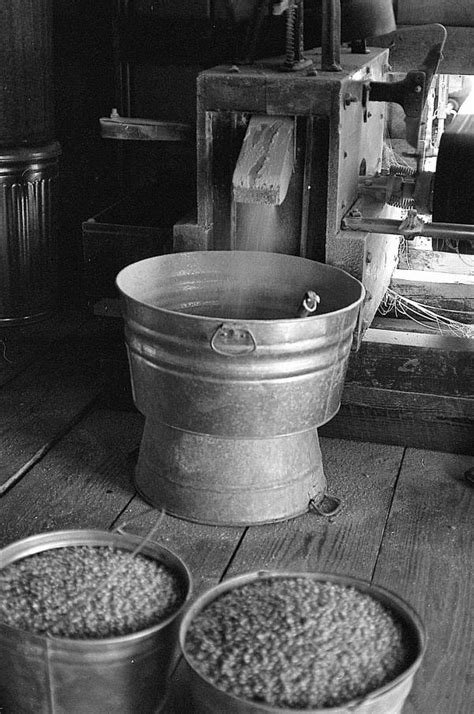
387, 515
234, 553
120, 514
46, 448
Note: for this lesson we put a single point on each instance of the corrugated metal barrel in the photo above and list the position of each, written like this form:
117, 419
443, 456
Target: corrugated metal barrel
232, 383
28, 239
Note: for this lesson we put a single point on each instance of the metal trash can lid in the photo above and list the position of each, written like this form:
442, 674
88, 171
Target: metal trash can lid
28, 154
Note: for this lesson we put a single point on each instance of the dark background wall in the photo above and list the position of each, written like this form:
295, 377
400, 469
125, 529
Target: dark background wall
162, 45
84, 90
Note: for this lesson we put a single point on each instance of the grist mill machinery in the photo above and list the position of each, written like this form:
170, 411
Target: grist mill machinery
290, 150
290, 165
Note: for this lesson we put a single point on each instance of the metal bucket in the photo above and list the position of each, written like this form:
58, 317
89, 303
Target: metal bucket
28, 234
127, 674
233, 385
389, 699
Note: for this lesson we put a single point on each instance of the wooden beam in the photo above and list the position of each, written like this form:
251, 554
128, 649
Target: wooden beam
418, 339
412, 258
266, 160
436, 365
409, 388
451, 293
421, 421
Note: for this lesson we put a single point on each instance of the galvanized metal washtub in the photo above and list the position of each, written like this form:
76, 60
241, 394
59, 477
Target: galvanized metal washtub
126, 674
233, 385
207, 698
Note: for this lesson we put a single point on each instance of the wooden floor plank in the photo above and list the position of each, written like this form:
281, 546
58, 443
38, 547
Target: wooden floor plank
83, 482
363, 476
205, 549
54, 396
86, 481
427, 557
23, 345
42, 401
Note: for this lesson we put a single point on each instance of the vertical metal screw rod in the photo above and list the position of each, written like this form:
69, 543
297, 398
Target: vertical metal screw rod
300, 31
331, 36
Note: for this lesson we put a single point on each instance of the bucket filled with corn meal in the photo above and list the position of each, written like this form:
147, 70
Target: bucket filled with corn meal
88, 622
300, 642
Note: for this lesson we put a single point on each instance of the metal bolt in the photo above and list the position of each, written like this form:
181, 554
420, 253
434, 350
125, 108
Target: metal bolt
349, 99
417, 89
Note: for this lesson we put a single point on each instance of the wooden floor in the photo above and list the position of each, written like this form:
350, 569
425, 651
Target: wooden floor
69, 435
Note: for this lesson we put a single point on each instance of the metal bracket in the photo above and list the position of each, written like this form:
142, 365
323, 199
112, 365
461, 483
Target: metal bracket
412, 226
409, 92
329, 506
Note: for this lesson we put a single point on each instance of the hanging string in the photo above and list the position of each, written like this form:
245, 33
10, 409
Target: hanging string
4, 352
424, 315
88, 596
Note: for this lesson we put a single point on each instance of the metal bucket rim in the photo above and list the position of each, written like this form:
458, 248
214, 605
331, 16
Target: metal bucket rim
217, 320
52, 540
410, 617
29, 154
